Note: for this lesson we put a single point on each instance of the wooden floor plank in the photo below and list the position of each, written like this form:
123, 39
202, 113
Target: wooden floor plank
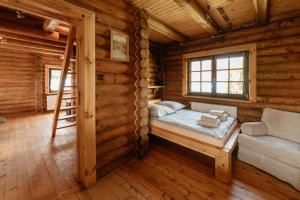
34, 166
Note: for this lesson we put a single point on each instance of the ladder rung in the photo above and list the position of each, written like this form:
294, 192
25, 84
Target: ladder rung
72, 73
67, 117
66, 98
67, 125
68, 107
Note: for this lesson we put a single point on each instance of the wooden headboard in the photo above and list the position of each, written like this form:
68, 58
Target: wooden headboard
152, 101
206, 107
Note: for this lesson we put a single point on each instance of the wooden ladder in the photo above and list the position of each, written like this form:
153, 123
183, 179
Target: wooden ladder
61, 90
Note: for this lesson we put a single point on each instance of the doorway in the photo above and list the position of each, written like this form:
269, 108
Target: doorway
84, 20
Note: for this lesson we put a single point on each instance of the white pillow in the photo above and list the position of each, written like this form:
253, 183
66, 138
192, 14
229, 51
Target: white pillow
173, 104
158, 110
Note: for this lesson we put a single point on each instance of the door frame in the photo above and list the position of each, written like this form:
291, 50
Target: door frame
84, 20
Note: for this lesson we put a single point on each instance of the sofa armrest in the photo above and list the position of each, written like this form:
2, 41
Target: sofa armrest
254, 128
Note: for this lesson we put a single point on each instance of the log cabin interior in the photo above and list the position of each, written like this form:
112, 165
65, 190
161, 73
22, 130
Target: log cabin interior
150, 99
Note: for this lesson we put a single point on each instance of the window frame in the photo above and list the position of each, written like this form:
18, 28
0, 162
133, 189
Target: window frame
213, 93
251, 70
48, 70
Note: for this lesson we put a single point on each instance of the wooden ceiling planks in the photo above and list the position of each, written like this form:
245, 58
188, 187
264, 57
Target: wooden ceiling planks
172, 15
240, 13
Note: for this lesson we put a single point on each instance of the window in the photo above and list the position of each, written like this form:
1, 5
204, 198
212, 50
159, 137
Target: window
54, 80
221, 73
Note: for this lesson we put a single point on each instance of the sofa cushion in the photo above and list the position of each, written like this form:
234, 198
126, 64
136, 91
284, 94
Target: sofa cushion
254, 128
277, 148
282, 124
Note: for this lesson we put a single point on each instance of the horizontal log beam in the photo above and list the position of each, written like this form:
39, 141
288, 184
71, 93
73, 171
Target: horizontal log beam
63, 30
192, 8
114, 155
162, 28
28, 49
116, 143
27, 31
261, 8
114, 133
31, 39
26, 44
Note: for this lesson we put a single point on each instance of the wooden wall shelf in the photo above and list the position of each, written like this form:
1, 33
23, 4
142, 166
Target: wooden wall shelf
156, 86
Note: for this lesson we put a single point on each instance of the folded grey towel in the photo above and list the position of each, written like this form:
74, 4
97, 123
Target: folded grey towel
209, 124
218, 113
224, 117
209, 118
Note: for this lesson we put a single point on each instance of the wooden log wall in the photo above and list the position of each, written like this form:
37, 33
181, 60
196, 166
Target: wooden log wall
155, 76
22, 81
114, 87
278, 67
17, 82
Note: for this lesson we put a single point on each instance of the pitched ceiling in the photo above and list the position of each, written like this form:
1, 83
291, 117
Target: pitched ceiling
184, 16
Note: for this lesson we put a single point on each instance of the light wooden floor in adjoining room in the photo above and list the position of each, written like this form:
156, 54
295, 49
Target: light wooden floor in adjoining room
32, 165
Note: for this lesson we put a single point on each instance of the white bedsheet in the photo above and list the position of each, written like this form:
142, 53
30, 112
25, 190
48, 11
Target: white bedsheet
187, 119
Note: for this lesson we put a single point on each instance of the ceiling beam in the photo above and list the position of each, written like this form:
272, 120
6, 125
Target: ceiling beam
162, 28
21, 29
158, 26
195, 11
261, 8
216, 4
34, 40
63, 30
51, 24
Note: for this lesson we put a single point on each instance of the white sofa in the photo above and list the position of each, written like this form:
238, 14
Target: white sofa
273, 145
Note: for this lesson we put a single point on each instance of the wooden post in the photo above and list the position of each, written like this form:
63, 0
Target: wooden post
39, 89
223, 162
86, 105
223, 166
143, 84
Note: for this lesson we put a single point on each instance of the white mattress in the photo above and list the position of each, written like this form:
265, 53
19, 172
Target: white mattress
184, 122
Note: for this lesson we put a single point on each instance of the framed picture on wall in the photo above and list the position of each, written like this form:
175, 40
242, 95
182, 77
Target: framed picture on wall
119, 46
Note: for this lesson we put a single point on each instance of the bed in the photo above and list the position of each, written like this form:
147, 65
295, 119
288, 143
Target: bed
181, 128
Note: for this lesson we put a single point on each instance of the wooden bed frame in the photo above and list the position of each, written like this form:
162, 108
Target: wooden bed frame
222, 155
